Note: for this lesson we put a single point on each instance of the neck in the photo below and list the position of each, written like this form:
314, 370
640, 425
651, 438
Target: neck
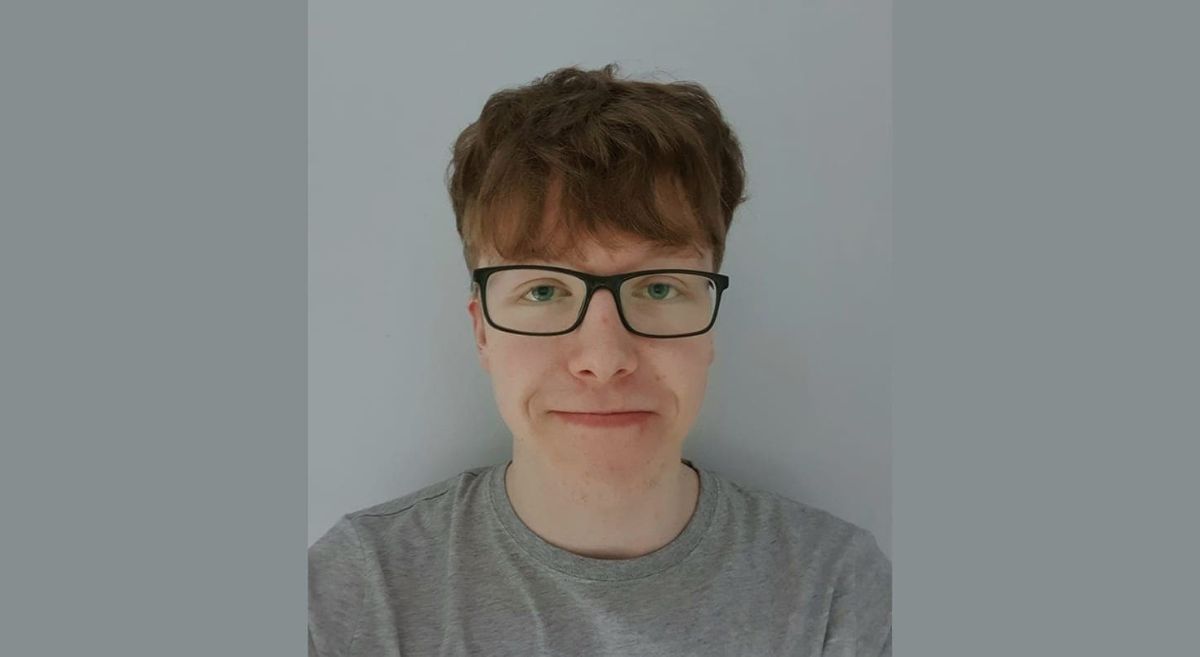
601, 518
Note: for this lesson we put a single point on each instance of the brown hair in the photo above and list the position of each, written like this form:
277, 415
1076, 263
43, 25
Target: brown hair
616, 158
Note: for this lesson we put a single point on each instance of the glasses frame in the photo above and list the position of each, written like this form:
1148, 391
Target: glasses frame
479, 278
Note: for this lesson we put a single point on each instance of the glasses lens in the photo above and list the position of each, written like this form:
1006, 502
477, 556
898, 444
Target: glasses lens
534, 300
669, 303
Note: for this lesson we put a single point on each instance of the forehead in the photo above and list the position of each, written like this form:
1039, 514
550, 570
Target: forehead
558, 232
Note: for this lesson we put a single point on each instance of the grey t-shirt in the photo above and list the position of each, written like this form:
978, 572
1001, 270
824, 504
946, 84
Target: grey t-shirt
452, 570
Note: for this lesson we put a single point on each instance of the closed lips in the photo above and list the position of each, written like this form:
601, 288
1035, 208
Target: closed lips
601, 412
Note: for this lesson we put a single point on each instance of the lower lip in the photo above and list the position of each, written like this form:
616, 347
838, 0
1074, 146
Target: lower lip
605, 419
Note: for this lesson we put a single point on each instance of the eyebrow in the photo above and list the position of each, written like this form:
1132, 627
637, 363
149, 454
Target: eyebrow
658, 253
639, 266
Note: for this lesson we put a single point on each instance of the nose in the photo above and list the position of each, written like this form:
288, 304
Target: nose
604, 349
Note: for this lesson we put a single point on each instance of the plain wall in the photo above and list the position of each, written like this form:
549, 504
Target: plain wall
799, 399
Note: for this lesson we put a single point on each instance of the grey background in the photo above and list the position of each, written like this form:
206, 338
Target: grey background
799, 398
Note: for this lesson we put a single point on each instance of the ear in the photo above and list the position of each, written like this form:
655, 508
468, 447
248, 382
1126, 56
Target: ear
479, 328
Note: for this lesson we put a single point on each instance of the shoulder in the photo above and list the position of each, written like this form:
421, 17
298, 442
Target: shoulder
363, 536
344, 564
813, 532
854, 574
426, 511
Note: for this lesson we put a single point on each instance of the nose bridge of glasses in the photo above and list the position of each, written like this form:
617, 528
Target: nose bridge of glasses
611, 283
606, 285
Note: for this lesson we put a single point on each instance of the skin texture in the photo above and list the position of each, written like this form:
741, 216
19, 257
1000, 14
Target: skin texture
602, 492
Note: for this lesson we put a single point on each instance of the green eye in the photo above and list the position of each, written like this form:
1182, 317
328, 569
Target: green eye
541, 293
658, 290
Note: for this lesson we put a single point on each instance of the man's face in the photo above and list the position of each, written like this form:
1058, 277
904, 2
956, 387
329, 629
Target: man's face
599, 366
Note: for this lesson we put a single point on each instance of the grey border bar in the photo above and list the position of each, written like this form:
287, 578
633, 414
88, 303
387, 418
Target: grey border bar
153, 367
1046, 359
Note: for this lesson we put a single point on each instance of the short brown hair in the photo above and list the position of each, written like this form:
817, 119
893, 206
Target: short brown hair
618, 157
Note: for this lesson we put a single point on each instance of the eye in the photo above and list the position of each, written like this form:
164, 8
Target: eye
660, 291
544, 293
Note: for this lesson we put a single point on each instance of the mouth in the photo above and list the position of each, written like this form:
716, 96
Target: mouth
605, 419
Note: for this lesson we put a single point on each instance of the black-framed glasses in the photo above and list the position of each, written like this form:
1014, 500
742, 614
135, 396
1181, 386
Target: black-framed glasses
546, 300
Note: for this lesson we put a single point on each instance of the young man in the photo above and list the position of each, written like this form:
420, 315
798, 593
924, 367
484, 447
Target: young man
593, 212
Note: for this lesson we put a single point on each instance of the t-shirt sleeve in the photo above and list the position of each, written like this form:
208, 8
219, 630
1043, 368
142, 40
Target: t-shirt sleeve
860, 620
336, 589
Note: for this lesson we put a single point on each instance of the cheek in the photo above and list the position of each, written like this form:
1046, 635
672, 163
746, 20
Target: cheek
684, 370
517, 370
